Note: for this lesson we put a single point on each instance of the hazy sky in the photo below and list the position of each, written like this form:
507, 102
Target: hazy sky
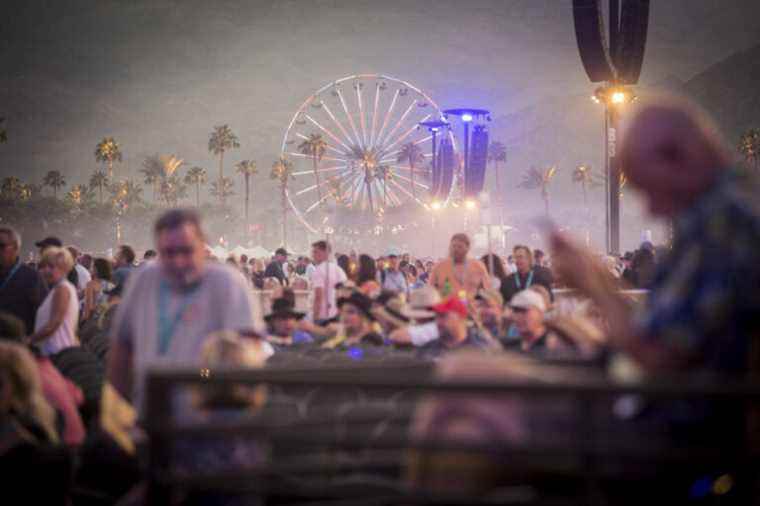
159, 74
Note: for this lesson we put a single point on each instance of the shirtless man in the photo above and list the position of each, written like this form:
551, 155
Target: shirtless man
459, 275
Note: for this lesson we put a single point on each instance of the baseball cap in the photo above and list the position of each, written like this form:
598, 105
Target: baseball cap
421, 302
527, 299
48, 242
451, 305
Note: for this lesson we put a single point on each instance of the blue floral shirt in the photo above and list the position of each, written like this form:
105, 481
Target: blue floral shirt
705, 299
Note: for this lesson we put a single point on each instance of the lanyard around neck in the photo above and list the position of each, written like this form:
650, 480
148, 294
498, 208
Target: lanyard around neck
168, 325
12, 272
528, 281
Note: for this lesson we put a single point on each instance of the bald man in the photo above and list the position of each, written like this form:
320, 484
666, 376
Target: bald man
701, 313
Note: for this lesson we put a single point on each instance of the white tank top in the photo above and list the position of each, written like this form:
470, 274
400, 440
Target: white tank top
65, 336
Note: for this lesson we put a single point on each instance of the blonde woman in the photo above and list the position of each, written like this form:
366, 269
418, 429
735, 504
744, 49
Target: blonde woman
57, 318
231, 402
21, 397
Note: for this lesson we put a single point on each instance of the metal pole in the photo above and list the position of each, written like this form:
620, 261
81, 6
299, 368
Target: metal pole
614, 184
606, 178
466, 153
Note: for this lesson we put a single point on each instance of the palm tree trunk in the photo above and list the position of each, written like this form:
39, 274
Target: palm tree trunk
385, 193
222, 197
110, 169
198, 194
316, 177
100, 193
247, 178
369, 196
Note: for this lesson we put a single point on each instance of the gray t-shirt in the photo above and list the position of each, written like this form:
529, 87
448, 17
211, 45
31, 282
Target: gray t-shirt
222, 301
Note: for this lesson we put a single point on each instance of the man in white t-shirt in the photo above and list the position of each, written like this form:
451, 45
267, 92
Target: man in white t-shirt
323, 280
171, 305
83, 275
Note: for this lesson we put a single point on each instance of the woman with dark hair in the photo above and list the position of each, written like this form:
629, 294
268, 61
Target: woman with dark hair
95, 293
499, 274
344, 262
366, 276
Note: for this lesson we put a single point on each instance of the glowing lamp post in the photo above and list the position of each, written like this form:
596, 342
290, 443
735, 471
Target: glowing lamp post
614, 98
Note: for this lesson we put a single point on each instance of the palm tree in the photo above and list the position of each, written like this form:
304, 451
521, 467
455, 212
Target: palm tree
749, 146
152, 172
196, 176
333, 188
222, 139
385, 174
315, 147
125, 194
497, 153
247, 168
411, 154
3, 133
535, 179
11, 188
172, 190
585, 176
79, 196
282, 171
170, 186
108, 151
99, 180
222, 189
30, 191
55, 180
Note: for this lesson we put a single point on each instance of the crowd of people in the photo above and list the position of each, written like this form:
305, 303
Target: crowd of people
77, 329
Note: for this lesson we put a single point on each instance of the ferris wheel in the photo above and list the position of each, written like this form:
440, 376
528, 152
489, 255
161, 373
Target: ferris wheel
360, 157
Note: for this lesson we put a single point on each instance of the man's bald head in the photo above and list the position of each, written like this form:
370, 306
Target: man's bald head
672, 152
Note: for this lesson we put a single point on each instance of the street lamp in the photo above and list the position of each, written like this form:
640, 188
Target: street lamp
614, 98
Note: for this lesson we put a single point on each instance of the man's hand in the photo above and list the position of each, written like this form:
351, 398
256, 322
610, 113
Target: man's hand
579, 268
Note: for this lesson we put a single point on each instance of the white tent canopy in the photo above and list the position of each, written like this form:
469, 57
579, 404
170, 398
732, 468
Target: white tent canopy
255, 252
